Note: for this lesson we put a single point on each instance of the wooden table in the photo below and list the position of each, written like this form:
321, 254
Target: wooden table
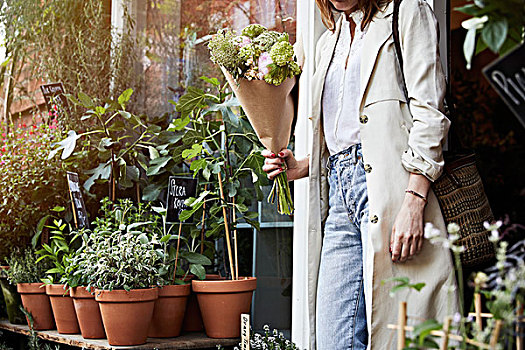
195, 340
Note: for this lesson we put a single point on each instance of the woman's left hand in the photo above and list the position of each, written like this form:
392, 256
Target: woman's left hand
406, 239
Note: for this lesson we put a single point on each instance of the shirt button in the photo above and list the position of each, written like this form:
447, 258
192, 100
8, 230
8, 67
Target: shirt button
363, 119
374, 219
368, 168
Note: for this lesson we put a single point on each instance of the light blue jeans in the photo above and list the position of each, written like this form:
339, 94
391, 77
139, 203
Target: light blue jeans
341, 313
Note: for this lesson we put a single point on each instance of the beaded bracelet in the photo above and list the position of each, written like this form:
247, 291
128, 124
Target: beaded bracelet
416, 194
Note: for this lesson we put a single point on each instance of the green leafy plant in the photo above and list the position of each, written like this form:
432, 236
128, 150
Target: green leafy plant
172, 258
501, 26
30, 183
60, 250
115, 137
24, 267
269, 340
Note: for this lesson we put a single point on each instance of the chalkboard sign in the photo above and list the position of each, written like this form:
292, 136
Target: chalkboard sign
507, 77
179, 189
55, 99
79, 208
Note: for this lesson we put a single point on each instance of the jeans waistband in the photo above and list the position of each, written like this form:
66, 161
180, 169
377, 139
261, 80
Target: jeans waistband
352, 154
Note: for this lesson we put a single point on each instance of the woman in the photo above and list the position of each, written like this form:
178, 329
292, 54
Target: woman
373, 159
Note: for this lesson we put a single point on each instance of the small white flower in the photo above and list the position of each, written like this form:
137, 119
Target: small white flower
475, 22
453, 228
480, 279
494, 236
122, 227
430, 231
457, 248
457, 317
453, 237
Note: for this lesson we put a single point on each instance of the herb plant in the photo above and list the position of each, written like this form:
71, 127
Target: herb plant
24, 267
59, 251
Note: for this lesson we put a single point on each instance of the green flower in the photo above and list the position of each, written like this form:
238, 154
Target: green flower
267, 39
282, 53
254, 30
249, 51
225, 49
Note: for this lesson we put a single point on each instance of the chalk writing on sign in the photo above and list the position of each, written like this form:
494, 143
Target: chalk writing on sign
56, 101
507, 77
179, 190
77, 201
245, 332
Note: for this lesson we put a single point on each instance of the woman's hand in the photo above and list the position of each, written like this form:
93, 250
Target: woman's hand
406, 239
274, 164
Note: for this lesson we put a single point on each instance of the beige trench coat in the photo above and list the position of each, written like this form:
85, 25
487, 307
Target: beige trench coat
395, 141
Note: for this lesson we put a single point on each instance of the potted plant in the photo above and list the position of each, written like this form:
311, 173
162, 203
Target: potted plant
230, 177
122, 262
59, 253
25, 272
170, 308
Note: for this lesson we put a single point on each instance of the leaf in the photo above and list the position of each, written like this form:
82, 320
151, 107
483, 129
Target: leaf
85, 100
198, 270
100, 110
422, 330
157, 165
470, 9
494, 34
153, 153
179, 124
39, 229
151, 192
213, 81
196, 258
186, 214
418, 286
102, 171
193, 99
68, 144
125, 96
195, 150
143, 238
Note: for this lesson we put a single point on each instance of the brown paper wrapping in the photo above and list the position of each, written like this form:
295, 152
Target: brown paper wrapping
270, 109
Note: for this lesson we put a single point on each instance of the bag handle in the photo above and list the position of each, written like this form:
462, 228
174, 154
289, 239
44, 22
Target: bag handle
454, 141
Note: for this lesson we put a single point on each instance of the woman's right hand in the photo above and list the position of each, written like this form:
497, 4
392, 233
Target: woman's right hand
274, 164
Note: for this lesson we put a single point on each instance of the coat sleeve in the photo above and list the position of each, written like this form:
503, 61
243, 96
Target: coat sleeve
425, 81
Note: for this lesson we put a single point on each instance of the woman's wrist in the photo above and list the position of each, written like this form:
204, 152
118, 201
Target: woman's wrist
303, 167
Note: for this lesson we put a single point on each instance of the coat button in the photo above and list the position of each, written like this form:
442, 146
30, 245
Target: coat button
368, 168
363, 119
374, 219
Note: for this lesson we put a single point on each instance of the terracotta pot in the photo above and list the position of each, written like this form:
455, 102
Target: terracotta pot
169, 311
88, 313
36, 302
192, 318
222, 303
127, 315
12, 299
63, 309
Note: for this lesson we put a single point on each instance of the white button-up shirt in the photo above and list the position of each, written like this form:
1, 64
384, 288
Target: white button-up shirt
341, 88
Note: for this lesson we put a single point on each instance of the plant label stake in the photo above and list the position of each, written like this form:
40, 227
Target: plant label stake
245, 332
56, 101
77, 202
179, 190
401, 323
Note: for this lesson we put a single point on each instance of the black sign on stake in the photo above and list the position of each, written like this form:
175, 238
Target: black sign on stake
179, 189
507, 77
56, 100
77, 202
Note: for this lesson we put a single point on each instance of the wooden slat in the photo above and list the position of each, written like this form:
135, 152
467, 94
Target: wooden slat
194, 340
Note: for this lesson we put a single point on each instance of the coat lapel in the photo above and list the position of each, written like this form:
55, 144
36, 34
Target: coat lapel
379, 30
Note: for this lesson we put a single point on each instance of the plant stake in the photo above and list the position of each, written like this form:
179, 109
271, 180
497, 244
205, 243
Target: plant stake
73, 208
477, 309
203, 221
177, 252
401, 323
446, 329
235, 242
228, 243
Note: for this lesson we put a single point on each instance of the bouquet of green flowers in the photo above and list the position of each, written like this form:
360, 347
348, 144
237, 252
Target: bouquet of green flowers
260, 66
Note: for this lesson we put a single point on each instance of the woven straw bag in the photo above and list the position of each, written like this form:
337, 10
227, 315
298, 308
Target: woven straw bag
459, 189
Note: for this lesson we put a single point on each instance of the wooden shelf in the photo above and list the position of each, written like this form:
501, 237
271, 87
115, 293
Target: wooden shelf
194, 340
